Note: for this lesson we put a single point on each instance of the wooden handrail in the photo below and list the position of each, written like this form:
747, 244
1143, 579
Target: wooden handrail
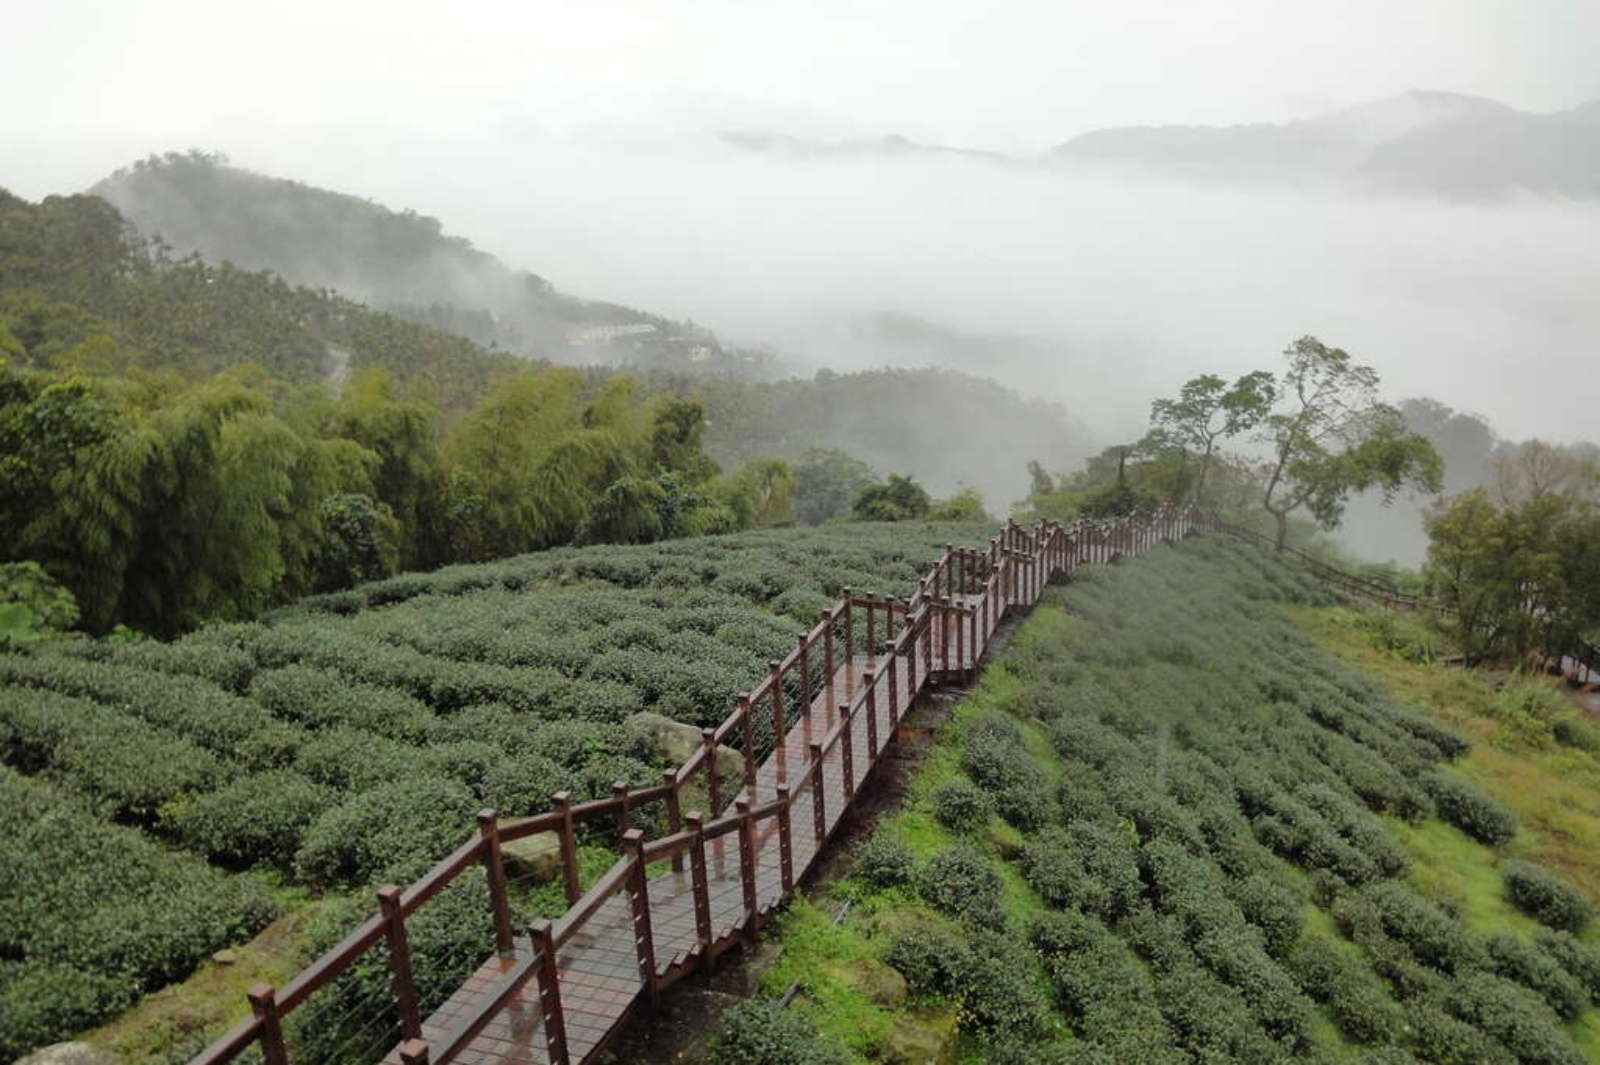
1012, 571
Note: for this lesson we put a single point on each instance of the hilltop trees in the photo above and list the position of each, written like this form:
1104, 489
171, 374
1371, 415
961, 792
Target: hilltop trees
1208, 410
1520, 567
1331, 438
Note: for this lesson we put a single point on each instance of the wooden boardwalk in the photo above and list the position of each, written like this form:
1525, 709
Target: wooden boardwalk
809, 737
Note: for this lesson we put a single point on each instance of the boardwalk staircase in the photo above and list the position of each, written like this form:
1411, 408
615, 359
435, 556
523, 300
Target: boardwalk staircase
688, 886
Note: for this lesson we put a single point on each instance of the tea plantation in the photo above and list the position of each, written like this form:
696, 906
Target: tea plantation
1168, 827
165, 800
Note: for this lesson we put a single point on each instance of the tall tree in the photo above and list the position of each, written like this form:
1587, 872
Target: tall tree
1330, 437
1208, 410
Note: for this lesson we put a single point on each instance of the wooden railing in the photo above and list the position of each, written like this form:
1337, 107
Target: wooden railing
939, 633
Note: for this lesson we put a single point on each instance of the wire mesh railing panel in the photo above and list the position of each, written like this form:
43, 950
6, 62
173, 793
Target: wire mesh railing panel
351, 1020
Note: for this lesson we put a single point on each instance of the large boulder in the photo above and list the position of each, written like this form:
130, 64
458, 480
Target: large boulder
534, 859
922, 1039
880, 982
673, 742
69, 1054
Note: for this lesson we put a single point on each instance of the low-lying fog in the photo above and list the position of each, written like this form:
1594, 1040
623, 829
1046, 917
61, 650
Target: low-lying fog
1109, 290
1098, 290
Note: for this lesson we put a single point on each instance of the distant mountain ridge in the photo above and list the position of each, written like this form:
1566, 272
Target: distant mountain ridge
1418, 143
399, 262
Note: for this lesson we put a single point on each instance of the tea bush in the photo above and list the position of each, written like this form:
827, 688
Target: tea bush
1546, 897
1470, 810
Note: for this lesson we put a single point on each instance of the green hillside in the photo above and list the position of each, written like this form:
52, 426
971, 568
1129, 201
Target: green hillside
1170, 826
399, 262
180, 795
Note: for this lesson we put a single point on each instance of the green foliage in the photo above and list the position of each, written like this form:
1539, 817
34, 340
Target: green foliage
965, 505
1535, 969
391, 833
899, 498
1546, 897
1351, 992
960, 881
928, 956
32, 603
826, 481
961, 806
255, 819
760, 1032
1333, 438
93, 914
886, 862
1471, 810
1515, 1017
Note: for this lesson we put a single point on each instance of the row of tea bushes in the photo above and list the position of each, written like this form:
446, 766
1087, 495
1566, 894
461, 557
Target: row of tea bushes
1214, 779
93, 915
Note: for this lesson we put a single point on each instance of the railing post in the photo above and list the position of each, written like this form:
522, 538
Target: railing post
402, 982
619, 794
819, 801
849, 633
414, 1052
639, 891
701, 886
264, 1004
747, 728
944, 635
708, 739
562, 800
780, 727
832, 617
894, 688
847, 750
669, 777
747, 863
542, 932
913, 644
961, 637
494, 869
871, 679
872, 627
805, 672
785, 841
949, 569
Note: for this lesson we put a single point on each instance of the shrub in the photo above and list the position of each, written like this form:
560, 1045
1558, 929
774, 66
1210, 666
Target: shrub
1470, 810
929, 957
1441, 1039
961, 805
1436, 938
393, 832
760, 1032
1577, 958
886, 862
86, 902
961, 881
254, 819
1515, 1017
1546, 897
1270, 907
320, 699
1354, 997
993, 978
42, 1002
1540, 973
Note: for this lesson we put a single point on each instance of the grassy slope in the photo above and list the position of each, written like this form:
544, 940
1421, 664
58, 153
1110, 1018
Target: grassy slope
1554, 791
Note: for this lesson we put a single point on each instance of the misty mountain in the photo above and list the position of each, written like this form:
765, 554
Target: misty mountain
400, 262
1424, 143
891, 145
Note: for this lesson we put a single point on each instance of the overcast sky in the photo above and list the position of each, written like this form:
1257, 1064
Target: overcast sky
1014, 76
560, 136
